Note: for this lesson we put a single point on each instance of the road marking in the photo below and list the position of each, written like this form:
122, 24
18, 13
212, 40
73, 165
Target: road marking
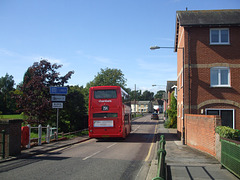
91, 155
112, 145
150, 149
136, 129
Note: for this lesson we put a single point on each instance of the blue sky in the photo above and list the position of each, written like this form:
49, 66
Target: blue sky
86, 36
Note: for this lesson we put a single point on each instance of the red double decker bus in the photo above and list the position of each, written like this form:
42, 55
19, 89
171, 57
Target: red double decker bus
109, 112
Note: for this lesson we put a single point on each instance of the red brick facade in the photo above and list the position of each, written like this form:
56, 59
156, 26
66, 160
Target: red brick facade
193, 43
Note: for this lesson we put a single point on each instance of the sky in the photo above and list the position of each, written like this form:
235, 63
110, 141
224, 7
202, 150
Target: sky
87, 36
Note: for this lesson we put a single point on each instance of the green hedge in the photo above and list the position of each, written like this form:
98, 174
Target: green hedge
227, 132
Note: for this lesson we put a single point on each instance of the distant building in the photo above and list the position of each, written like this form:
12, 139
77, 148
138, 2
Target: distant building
142, 106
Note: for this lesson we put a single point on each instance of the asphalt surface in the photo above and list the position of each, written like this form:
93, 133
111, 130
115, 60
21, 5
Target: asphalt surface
182, 161
84, 158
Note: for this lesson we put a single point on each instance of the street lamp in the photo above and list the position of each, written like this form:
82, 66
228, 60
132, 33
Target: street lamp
157, 47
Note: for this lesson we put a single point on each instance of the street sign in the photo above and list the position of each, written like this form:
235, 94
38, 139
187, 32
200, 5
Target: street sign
58, 90
57, 105
58, 98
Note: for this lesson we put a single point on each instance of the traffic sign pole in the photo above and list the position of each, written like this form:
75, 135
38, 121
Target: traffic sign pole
57, 123
58, 91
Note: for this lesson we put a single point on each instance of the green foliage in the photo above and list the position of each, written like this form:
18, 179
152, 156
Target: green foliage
73, 115
7, 103
13, 116
147, 96
159, 95
227, 132
172, 113
109, 77
34, 99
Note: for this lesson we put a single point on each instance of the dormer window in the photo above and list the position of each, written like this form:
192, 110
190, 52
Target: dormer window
219, 36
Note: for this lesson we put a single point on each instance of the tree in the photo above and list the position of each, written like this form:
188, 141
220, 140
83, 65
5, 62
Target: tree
159, 95
7, 104
135, 94
109, 77
147, 96
73, 115
34, 100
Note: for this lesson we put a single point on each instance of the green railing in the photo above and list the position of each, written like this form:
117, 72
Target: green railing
3, 144
230, 156
161, 173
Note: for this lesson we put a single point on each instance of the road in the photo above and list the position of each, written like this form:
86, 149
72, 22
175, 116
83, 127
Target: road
127, 159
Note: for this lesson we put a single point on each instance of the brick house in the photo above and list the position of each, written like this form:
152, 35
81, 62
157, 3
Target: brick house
207, 43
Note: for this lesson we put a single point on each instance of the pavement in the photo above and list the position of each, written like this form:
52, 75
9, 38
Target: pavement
44, 148
182, 161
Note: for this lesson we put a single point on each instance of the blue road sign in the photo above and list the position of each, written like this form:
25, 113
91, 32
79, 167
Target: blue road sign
58, 90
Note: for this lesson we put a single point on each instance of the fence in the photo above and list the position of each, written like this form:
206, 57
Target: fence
161, 173
3, 144
49, 134
230, 156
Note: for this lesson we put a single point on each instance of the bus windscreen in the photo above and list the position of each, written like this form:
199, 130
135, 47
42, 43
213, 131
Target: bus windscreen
105, 94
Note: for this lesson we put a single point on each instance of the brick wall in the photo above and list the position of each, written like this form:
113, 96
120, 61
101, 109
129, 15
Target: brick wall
12, 128
200, 132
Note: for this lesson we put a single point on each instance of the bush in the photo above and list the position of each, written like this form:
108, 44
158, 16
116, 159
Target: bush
172, 113
227, 132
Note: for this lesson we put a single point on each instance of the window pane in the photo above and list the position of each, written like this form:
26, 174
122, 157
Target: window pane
224, 77
102, 115
214, 36
212, 112
105, 94
224, 36
214, 76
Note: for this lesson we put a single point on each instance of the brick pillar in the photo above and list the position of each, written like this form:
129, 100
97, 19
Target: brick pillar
12, 128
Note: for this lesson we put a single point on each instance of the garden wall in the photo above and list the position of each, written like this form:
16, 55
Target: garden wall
200, 132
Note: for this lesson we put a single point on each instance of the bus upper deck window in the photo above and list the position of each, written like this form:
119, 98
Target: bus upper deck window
105, 94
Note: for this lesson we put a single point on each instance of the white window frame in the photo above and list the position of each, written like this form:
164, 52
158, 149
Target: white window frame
219, 38
216, 109
219, 77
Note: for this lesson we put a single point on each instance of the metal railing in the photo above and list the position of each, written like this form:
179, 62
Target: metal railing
39, 138
161, 173
3, 143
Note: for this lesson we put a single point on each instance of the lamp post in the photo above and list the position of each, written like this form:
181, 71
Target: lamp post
183, 128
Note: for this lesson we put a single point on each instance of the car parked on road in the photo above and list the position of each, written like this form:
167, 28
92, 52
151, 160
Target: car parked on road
154, 116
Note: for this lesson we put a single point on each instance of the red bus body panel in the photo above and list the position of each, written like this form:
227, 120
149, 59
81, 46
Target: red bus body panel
113, 126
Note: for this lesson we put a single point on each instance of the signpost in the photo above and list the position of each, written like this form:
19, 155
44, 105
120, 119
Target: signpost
58, 90
57, 99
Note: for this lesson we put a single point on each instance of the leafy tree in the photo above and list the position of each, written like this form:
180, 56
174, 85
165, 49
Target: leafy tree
109, 77
147, 96
7, 104
159, 95
34, 100
135, 94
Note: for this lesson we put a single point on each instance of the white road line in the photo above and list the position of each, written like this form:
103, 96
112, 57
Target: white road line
91, 155
136, 129
112, 145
